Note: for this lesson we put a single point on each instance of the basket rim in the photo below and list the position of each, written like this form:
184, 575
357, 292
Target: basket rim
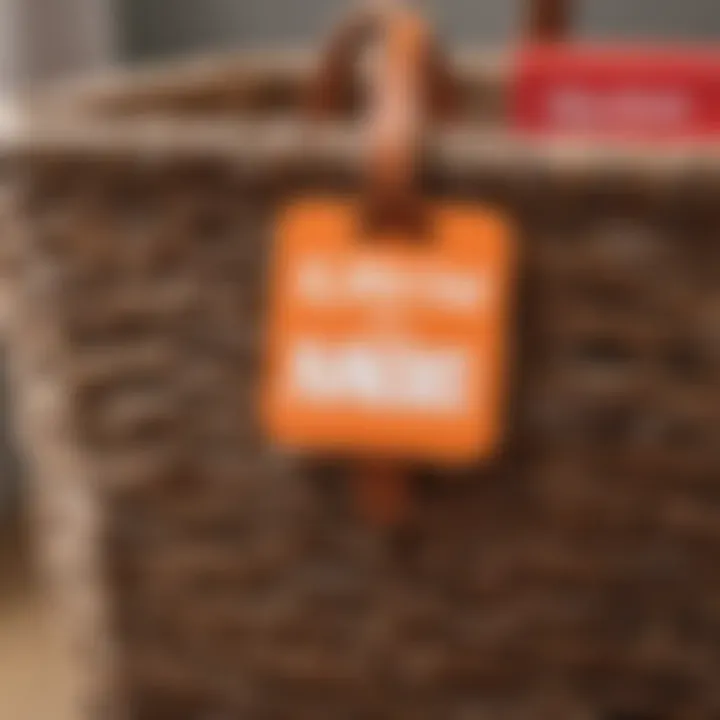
266, 148
62, 121
208, 71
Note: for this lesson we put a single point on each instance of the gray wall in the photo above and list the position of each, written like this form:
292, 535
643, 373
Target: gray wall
66, 37
161, 27
45, 39
8, 46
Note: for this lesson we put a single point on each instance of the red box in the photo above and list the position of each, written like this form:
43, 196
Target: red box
623, 92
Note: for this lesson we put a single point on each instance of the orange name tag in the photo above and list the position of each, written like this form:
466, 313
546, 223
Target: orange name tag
391, 345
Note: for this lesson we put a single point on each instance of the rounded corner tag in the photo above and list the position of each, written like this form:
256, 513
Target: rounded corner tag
389, 348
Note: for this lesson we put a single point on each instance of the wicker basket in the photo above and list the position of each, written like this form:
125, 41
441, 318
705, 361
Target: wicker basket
205, 576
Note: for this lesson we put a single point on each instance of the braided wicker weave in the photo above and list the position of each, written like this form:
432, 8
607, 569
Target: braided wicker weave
208, 577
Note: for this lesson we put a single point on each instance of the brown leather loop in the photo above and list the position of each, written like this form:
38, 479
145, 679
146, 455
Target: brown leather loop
412, 85
549, 20
331, 92
398, 112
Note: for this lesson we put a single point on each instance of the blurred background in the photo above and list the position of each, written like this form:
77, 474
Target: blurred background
45, 40
41, 40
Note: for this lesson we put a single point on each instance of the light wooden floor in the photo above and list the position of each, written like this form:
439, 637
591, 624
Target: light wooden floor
33, 680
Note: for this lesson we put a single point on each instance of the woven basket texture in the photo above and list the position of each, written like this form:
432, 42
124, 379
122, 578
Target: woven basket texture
208, 576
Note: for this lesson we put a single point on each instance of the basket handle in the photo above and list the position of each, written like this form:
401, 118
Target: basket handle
331, 91
414, 85
549, 20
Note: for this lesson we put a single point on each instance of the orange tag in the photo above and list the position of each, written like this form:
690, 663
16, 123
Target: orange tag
389, 345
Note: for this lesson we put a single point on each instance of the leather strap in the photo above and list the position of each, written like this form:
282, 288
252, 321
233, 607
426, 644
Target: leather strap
412, 85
